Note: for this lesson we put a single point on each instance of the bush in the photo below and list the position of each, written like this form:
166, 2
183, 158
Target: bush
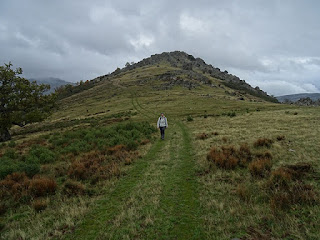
40, 205
40, 187
202, 136
286, 187
30, 167
12, 144
245, 192
189, 119
260, 167
73, 188
263, 142
15, 186
225, 158
11, 153
229, 157
281, 137
41, 154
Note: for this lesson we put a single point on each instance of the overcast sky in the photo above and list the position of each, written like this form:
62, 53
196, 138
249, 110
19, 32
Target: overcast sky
272, 44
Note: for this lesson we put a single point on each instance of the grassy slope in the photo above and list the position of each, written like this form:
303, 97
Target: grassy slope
158, 191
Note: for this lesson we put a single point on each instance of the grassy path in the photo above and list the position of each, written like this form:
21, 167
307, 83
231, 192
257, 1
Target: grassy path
157, 199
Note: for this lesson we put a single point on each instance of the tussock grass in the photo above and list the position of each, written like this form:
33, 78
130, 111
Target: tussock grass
70, 164
230, 157
40, 204
276, 196
286, 187
260, 167
202, 136
263, 142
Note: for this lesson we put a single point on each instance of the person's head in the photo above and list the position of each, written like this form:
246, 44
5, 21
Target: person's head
162, 115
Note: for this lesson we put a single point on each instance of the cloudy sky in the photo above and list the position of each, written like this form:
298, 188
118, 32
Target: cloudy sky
272, 44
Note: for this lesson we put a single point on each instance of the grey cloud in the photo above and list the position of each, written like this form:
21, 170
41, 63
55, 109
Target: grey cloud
268, 43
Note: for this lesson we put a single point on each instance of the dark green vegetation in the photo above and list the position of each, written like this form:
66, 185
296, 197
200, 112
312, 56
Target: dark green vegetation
21, 102
232, 165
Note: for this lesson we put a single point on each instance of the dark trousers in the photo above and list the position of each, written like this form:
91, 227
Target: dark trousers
162, 132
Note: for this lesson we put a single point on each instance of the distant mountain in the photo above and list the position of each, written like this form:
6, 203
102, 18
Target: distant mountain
53, 82
297, 97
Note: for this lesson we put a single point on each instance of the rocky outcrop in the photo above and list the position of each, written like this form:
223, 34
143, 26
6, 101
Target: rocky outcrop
192, 66
307, 102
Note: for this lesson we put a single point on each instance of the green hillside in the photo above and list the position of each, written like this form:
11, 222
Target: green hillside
234, 163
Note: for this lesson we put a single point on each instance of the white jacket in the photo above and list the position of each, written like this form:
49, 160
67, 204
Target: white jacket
162, 122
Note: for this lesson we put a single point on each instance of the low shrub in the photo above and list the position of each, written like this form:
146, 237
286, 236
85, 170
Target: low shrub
9, 166
40, 205
42, 186
260, 167
281, 138
280, 178
224, 158
263, 142
264, 155
229, 157
11, 154
245, 192
202, 136
189, 118
12, 144
215, 133
96, 166
73, 188
244, 154
286, 187
41, 154
15, 186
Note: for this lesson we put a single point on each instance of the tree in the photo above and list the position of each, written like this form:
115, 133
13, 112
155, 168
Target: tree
21, 101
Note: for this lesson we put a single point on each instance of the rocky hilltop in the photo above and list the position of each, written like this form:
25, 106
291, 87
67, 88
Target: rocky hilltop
198, 68
195, 70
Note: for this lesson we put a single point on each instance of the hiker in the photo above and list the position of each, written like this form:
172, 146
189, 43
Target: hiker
162, 124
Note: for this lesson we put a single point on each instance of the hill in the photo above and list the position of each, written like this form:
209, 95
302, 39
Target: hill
297, 97
230, 165
53, 82
186, 70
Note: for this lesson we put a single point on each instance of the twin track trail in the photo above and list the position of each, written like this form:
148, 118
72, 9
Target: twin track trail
157, 199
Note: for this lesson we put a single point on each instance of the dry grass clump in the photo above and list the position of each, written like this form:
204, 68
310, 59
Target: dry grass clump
90, 166
15, 186
263, 142
244, 154
202, 136
72, 188
286, 187
115, 149
260, 167
281, 138
19, 187
145, 142
264, 155
244, 192
229, 157
42, 186
40, 204
223, 158
97, 166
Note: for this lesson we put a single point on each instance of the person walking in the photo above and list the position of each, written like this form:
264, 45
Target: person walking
162, 124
